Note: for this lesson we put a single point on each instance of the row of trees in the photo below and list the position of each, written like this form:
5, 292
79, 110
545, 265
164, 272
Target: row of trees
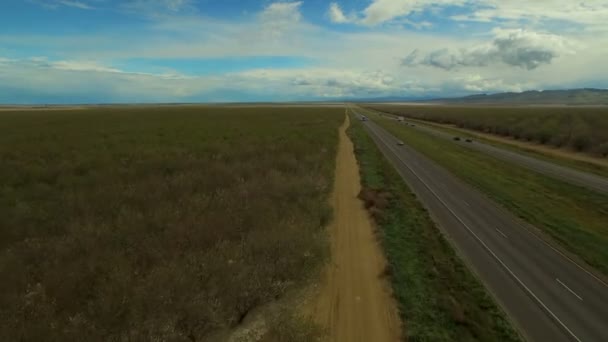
582, 129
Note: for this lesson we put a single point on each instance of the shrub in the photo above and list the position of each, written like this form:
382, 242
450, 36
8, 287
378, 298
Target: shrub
602, 149
581, 142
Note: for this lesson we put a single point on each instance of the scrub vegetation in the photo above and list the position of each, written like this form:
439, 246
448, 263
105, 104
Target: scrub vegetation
439, 298
160, 223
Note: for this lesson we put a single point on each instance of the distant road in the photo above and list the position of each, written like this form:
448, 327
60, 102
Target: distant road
548, 296
572, 176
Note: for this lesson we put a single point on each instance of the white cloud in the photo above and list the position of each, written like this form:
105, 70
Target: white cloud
82, 66
336, 15
76, 4
279, 18
326, 82
591, 13
518, 48
382, 11
158, 7
54, 4
66, 80
478, 84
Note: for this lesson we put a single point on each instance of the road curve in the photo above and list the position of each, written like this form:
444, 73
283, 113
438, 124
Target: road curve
548, 296
572, 176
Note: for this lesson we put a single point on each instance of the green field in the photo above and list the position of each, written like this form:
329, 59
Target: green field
169, 224
583, 129
573, 216
438, 297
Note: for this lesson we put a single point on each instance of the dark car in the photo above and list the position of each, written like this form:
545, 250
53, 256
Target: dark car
456, 138
469, 140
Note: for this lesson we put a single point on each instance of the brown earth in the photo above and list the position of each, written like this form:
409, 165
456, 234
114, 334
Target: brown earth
355, 301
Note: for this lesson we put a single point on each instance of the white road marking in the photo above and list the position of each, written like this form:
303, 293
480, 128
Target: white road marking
526, 288
501, 233
567, 288
601, 281
468, 205
563, 255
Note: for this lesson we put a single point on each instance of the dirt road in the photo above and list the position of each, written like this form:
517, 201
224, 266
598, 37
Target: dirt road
355, 301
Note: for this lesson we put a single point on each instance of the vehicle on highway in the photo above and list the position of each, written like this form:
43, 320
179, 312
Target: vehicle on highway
469, 140
363, 118
456, 138
400, 143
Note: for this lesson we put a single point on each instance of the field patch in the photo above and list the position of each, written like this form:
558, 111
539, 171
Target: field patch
158, 223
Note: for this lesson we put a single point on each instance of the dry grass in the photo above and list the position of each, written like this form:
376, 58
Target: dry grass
157, 224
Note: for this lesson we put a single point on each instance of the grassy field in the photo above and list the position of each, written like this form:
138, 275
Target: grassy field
141, 224
579, 161
574, 217
439, 299
583, 129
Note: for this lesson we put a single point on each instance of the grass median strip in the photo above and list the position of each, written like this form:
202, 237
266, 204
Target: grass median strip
573, 216
439, 298
543, 152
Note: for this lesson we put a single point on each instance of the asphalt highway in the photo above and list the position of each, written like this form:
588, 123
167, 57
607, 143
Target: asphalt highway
547, 295
572, 176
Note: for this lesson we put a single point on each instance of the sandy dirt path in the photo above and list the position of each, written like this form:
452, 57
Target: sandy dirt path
355, 301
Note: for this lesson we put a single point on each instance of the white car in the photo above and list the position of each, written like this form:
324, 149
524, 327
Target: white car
400, 143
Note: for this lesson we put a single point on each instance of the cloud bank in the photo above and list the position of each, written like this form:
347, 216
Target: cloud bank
517, 48
159, 50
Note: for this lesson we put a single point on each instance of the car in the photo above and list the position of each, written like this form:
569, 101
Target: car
469, 140
456, 138
400, 143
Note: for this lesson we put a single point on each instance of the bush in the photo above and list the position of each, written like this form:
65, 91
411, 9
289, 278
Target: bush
581, 142
602, 149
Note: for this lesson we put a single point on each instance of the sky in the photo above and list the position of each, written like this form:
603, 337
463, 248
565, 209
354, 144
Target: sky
126, 51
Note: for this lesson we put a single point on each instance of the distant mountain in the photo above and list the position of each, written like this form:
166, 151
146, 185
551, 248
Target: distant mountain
586, 96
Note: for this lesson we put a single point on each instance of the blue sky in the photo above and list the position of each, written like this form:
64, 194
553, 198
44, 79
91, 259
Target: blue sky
81, 51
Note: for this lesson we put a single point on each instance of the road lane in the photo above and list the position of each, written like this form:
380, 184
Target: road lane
572, 176
533, 282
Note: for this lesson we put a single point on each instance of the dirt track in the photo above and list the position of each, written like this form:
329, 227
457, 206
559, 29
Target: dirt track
355, 302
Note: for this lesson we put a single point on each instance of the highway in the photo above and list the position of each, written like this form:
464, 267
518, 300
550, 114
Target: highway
547, 296
572, 176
